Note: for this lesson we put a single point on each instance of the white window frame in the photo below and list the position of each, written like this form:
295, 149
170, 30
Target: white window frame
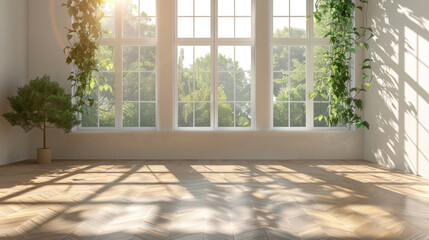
309, 42
118, 42
214, 42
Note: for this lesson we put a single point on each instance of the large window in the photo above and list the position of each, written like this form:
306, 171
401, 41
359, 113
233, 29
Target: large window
125, 87
297, 65
214, 68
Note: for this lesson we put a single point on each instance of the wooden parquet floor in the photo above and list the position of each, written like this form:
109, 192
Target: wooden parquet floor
213, 200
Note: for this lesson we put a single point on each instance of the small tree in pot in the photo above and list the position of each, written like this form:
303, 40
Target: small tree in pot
42, 104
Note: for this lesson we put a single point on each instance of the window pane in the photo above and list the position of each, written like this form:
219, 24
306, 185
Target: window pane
281, 58
281, 27
226, 115
90, 116
243, 27
321, 109
185, 114
202, 8
297, 114
106, 85
131, 27
298, 8
202, 114
107, 114
147, 27
243, 58
108, 27
185, 86
185, 27
243, 115
147, 58
226, 27
298, 86
281, 7
297, 58
243, 7
106, 58
148, 8
202, 27
109, 8
320, 59
225, 8
147, 86
131, 114
130, 59
185, 7
281, 86
225, 86
130, 8
147, 115
185, 58
281, 114
131, 86
202, 58
298, 27
243, 86
226, 58
202, 86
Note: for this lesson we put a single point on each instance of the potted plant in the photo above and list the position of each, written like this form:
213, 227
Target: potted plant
42, 104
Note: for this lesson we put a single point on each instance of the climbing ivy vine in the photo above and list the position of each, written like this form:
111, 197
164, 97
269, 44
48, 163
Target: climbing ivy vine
345, 102
83, 37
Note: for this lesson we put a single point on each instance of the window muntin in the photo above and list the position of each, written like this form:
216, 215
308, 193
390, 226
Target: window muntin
214, 86
125, 86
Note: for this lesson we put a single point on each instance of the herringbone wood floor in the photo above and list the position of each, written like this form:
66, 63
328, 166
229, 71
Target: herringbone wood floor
211, 200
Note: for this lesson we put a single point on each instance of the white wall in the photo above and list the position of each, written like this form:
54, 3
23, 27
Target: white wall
47, 20
398, 104
13, 73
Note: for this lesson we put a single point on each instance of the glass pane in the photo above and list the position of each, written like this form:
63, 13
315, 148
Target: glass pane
185, 7
202, 86
202, 8
185, 27
148, 58
243, 115
298, 86
297, 58
185, 55
280, 7
226, 115
320, 85
148, 8
147, 115
242, 86
131, 27
226, 58
202, 27
106, 58
108, 27
281, 58
225, 8
225, 90
281, 27
281, 114
202, 114
106, 85
226, 27
131, 86
90, 116
147, 87
243, 7
321, 28
185, 85
243, 27
186, 115
202, 58
130, 8
131, 114
107, 114
320, 59
109, 8
243, 58
297, 114
298, 27
298, 8
147, 27
130, 58
280, 87
321, 109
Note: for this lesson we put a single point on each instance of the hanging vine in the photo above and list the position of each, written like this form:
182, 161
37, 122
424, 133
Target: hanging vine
83, 37
345, 104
